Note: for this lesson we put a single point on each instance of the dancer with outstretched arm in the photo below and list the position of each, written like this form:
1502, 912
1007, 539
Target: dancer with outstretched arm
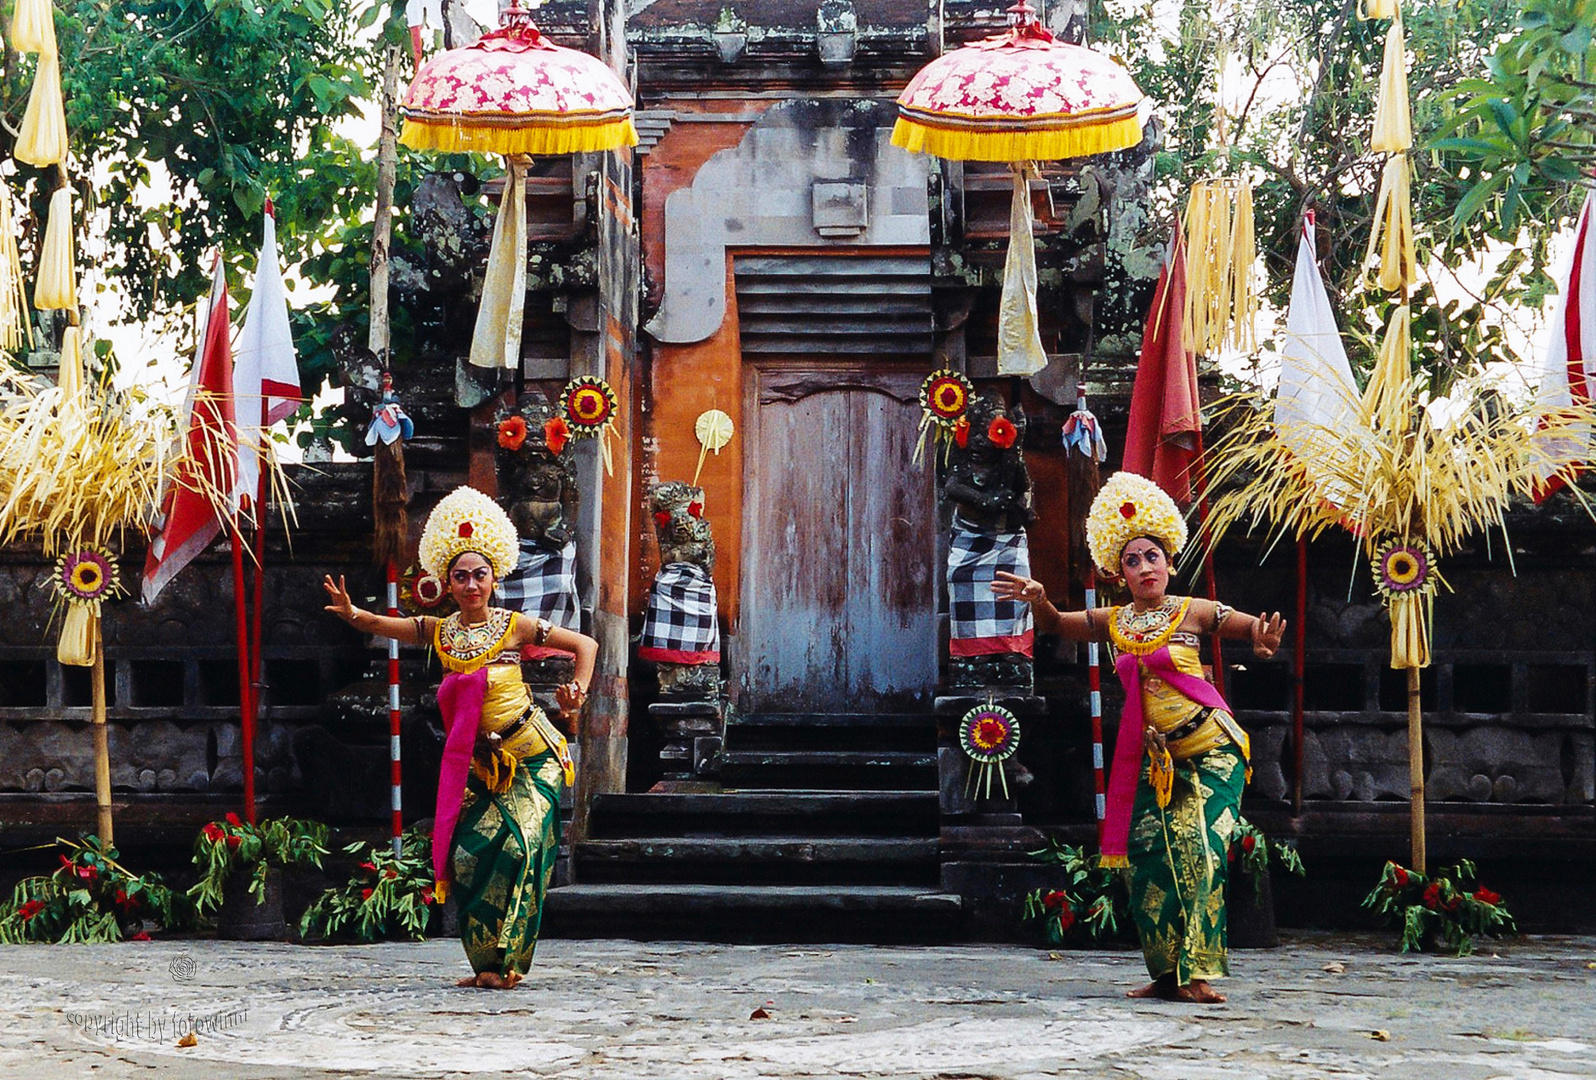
1180, 759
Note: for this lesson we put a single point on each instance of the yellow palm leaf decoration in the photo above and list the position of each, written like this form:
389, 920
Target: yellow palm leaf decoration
57, 284
43, 140
33, 27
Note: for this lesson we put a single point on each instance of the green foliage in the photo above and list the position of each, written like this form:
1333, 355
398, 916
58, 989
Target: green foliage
225, 847
1093, 902
1451, 908
386, 897
1250, 850
90, 898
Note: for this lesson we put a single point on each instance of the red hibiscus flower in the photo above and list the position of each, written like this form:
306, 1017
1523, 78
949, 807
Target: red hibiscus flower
213, 832
1066, 919
1486, 896
1127, 510
390, 873
124, 902
142, 935
556, 433
232, 819
30, 909
1249, 843
1399, 876
369, 868
695, 509
365, 894
426, 895
88, 873
662, 518
961, 432
234, 841
67, 864
1432, 896
1054, 899
1002, 432
512, 433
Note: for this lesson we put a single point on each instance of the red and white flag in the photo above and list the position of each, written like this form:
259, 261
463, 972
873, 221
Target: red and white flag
1163, 435
208, 467
1568, 374
266, 374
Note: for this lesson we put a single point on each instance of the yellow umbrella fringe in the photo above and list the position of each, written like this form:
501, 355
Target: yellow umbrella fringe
43, 139
1393, 118
16, 335
957, 144
33, 27
570, 138
56, 286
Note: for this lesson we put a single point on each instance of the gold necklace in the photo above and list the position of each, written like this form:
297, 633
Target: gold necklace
1143, 632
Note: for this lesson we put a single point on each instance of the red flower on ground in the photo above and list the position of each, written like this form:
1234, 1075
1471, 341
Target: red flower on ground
232, 819
1249, 843
213, 832
1002, 432
512, 433
30, 909
365, 894
1054, 899
1486, 896
1432, 896
556, 433
142, 935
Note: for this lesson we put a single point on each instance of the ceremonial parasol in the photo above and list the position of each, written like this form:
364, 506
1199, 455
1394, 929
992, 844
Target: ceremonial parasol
1018, 97
513, 92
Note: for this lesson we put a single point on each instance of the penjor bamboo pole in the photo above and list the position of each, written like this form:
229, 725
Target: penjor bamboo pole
102, 741
1416, 768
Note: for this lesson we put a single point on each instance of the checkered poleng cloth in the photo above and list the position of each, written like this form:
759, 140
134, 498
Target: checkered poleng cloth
980, 624
543, 584
681, 625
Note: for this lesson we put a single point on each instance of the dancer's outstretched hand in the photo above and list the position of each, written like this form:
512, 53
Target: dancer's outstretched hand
1013, 587
341, 605
1267, 632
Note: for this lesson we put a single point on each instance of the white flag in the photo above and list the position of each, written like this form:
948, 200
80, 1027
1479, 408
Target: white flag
266, 374
1568, 373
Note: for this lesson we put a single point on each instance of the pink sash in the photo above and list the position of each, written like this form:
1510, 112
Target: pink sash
1128, 745
460, 699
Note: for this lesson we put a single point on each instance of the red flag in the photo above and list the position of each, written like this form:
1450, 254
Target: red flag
1164, 432
1570, 364
205, 474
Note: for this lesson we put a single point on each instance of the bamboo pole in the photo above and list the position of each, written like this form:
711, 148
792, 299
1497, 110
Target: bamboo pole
102, 741
1416, 769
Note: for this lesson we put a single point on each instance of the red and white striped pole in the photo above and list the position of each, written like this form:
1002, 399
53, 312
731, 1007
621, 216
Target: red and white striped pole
393, 710
1094, 684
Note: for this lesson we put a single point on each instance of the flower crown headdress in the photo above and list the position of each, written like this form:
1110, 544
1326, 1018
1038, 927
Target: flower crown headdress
1128, 506
467, 520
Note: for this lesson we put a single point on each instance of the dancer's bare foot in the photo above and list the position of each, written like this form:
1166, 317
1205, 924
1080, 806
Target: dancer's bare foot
492, 980
1162, 988
469, 980
1198, 992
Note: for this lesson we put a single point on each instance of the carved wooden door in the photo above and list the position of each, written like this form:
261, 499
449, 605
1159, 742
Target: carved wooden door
838, 607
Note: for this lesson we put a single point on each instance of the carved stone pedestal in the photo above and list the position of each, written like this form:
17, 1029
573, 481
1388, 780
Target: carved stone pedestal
691, 733
957, 796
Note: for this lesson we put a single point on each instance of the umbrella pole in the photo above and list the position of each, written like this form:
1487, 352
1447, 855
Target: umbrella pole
246, 697
102, 742
1416, 768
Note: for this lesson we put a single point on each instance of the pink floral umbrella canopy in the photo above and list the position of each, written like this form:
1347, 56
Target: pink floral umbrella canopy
516, 92
1020, 96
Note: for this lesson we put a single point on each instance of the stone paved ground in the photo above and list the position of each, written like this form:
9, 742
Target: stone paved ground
1321, 1007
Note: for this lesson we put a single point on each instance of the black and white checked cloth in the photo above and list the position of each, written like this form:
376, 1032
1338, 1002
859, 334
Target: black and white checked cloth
980, 624
543, 584
681, 626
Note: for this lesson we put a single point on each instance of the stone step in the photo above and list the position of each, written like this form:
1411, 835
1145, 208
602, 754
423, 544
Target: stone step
765, 860
780, 913
802, 731
835, 770
766, 813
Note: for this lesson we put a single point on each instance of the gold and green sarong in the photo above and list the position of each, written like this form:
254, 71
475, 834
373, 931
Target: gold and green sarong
504, 851
1178, 862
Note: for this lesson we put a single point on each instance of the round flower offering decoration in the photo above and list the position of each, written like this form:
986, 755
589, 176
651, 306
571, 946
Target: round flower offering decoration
421, 593
87, 576
589, 406
1402, 568
989, 734
944, 396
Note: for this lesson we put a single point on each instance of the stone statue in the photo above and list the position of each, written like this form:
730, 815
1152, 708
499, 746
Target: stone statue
537, 488
681, 632
990, 640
